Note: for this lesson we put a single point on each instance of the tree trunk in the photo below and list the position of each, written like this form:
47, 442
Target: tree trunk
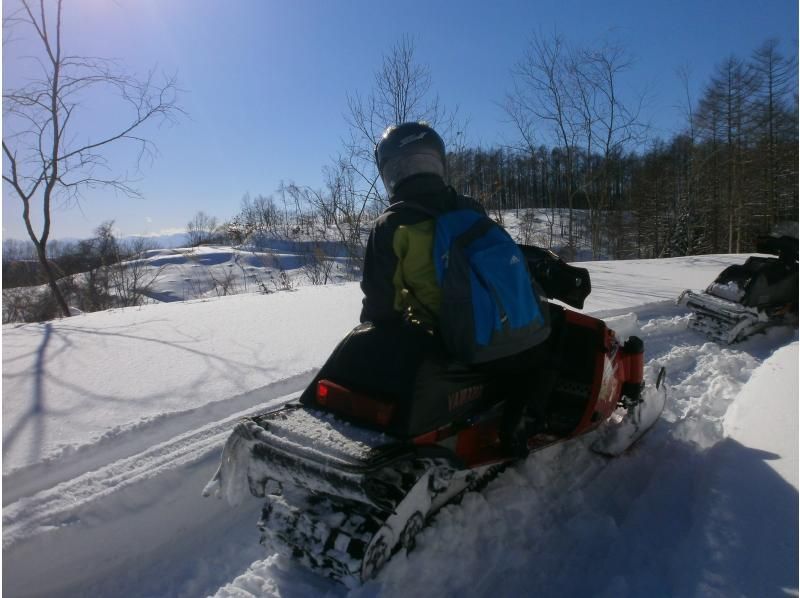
51, 279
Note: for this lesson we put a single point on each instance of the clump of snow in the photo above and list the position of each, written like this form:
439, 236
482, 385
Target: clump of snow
730, 291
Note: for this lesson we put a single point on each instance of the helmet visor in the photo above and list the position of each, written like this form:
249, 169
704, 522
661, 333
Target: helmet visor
398, 169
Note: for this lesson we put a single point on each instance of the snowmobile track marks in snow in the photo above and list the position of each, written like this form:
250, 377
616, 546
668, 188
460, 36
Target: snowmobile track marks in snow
132, 440
73, 525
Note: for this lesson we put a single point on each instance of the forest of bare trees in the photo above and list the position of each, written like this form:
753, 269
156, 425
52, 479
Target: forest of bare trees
586, 154
729, 176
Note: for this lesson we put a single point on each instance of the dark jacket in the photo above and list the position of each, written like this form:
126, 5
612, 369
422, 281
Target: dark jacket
399, 274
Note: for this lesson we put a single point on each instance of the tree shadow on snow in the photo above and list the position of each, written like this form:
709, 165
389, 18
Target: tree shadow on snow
56, 342
37, 407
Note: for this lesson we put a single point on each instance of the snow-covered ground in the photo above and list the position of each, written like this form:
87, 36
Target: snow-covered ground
213, 271
114, 421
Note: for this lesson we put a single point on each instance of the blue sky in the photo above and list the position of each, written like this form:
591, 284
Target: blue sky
266, 81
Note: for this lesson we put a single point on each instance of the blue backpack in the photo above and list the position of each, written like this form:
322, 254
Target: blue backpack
489, 309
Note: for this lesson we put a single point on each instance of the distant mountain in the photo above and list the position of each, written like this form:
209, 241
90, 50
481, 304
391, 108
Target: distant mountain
165, 241
162, 241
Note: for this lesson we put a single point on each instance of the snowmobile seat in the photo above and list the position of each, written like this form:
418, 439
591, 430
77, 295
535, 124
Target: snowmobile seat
784, 246
396, 377
760, 282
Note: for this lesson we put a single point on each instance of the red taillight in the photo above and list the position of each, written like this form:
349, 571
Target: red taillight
322, 393
339, 399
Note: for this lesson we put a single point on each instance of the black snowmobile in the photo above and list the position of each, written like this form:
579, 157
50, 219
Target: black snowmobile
391, 429
747, 298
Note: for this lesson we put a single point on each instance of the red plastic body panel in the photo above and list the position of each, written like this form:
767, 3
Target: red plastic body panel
360, 407
633, 363
613, 367
477, 442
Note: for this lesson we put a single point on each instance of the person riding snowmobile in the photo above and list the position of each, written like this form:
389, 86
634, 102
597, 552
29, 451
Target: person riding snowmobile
399, 275
399, 278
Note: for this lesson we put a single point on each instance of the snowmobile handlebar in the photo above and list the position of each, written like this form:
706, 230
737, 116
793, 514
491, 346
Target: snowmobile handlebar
556, 278
784, 247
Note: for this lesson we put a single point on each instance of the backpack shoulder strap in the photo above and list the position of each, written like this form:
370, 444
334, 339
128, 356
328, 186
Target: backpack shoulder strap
476, 231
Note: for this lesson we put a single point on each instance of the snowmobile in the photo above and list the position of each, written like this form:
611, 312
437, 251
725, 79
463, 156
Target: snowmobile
747, 298
391, 429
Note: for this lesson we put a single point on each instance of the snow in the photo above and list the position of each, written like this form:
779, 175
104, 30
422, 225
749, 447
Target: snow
730, 291
81, 383
751, 420
210, 271
746, 520
113, 423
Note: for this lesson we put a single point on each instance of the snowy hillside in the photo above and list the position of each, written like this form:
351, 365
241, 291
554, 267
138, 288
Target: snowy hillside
214, 271
293, 255
113, 422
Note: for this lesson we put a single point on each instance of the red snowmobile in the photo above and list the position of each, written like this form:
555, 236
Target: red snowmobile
391, 430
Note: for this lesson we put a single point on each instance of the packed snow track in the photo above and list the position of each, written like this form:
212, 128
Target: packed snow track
105, 531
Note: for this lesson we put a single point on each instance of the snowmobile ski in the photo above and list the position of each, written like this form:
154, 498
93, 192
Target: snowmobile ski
624, 429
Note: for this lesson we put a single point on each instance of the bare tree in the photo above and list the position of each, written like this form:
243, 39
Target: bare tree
130, 276
45, 161
317, 266
202, 229
726, 115
616, 125
541, 96
342, 210
118, 274
571, 95
775, 80
402, 91
103, 251
683, 235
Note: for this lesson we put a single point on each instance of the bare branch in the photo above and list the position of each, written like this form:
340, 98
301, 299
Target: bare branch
45, 163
